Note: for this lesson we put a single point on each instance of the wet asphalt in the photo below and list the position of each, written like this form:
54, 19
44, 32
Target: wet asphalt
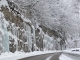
51, 56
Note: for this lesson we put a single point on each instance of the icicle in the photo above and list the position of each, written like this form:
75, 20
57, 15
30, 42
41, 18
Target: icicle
29, 36
33, 39
5, 37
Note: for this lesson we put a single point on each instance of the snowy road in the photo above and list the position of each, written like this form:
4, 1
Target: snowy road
52, 56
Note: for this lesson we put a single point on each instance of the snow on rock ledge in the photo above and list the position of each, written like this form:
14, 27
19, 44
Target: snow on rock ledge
3, 2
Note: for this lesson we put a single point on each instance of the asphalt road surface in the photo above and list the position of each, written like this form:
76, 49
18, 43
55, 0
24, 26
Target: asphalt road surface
51, 56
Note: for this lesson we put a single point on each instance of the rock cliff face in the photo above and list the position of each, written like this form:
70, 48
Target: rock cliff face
28, 25
18, 33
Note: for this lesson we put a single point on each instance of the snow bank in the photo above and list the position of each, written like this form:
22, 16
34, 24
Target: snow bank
74, 51
25, 19
64, 57
19, 55
3, 2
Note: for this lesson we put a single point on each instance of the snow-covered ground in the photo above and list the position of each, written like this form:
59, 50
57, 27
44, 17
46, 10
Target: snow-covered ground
75, 51
71, 54
64, 57
19, 55
67, 54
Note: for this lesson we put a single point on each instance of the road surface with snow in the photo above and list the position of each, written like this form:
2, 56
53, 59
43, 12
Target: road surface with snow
51, 56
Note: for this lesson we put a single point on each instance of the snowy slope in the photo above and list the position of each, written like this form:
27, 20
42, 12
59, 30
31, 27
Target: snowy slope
62, 13
54, 14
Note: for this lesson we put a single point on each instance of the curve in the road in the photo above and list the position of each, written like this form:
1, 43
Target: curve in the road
51, 56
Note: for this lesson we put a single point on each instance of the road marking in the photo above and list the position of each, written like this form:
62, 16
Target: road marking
49, 57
